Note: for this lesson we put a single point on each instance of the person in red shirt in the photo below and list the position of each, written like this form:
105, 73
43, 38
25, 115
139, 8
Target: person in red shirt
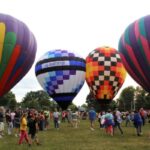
143, 115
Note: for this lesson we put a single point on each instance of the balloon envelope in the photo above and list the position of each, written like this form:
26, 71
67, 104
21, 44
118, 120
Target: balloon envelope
134, 48
105, 73
17, 51
61, 74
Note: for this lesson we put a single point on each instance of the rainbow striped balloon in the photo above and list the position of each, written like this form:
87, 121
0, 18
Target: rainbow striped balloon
134, 48
17, 51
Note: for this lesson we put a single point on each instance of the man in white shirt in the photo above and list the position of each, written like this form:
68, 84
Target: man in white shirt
56, 119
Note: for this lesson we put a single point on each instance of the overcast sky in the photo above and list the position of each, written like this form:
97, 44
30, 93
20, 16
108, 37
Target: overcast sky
76, 25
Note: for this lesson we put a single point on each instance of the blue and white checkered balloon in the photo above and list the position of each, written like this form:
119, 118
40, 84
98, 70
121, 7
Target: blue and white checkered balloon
61, 74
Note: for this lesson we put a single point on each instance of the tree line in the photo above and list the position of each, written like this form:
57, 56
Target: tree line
130, 99
39, 100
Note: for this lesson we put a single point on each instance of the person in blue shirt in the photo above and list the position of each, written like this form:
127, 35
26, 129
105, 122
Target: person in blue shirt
109, 122
137, 120
92, 117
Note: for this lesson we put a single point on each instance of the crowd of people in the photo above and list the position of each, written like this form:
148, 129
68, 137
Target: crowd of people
25, 124
111, 120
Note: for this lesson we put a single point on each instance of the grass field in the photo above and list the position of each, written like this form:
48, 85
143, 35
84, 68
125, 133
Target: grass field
82, 138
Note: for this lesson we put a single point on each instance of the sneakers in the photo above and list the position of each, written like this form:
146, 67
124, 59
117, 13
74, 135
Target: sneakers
92, 129
38, 144
141, 133
138, 134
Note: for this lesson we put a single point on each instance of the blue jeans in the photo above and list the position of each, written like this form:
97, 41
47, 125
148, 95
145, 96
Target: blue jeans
56, 124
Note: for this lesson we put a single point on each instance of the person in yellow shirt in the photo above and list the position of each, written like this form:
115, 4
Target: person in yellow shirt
23, 130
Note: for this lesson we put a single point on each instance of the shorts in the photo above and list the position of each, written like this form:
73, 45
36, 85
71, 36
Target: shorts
92, 119
33, 135
17, 125
1, 126
74, 120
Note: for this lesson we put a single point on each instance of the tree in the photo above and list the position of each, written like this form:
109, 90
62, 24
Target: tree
38, 99
121, 104
8, 100
113, 105
54, 105
92, 102
84, 106
142, 98
73, 107
126, 99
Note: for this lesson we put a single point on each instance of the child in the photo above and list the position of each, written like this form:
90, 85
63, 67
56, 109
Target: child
23, 130
33, 127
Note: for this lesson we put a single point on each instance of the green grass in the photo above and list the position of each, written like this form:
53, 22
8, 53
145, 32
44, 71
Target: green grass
82, 138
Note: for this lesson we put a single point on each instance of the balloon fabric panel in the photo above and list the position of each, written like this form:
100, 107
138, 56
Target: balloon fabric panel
17, 45
135, 52
105, 73
61, 74
58, 81
9, 43
2, 37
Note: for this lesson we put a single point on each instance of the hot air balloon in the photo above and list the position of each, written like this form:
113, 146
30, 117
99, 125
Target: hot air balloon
17, 51
134, 48
105, 73
62, 74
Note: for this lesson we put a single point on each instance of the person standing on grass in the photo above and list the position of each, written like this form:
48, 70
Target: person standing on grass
137, 120
117, 122
69, 115
9, 122
23, 130
1, 122
12, 115
47, 119
102, 120
143, 115
92, 118
17, 122
63, 116
56, 119
33, 128
75, 119
41, 121
128, 118
109, 123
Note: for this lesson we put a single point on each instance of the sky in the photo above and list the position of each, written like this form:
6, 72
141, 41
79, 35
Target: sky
76, 25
